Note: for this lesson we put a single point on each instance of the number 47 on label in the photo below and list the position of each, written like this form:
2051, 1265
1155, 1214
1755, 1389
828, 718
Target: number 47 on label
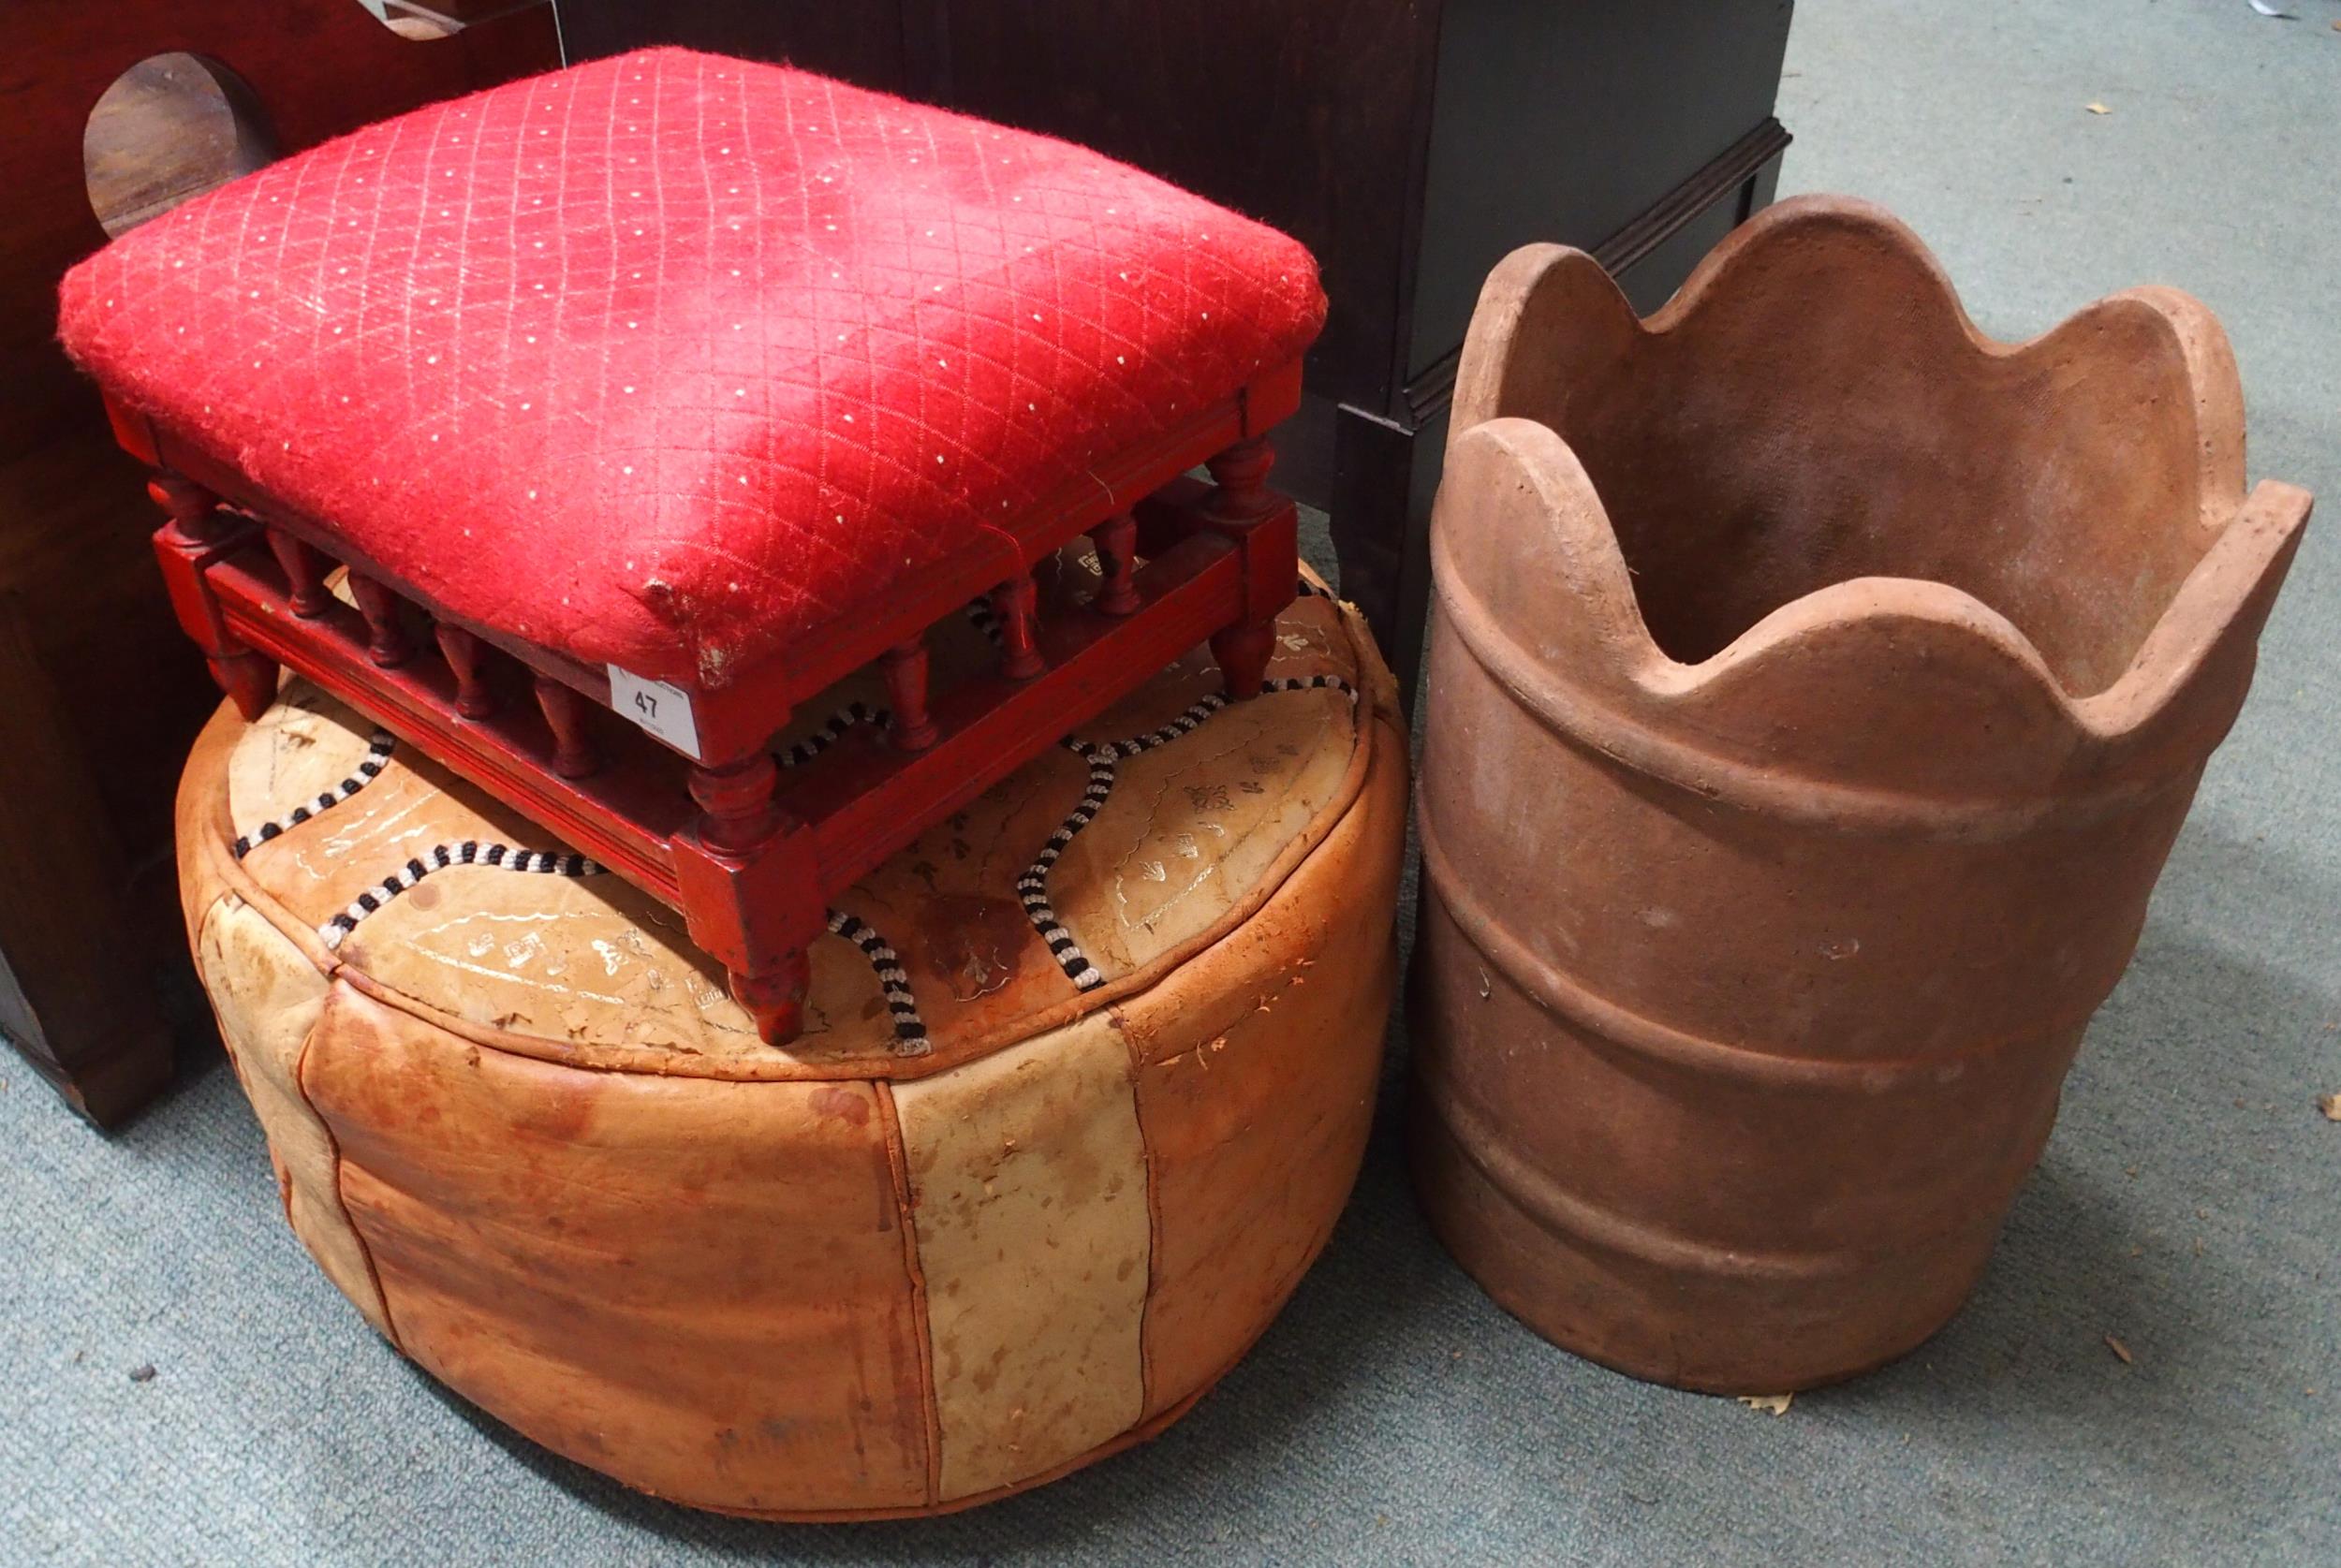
663, 710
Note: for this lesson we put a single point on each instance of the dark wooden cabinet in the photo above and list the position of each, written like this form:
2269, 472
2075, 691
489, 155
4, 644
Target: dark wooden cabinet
1410, 144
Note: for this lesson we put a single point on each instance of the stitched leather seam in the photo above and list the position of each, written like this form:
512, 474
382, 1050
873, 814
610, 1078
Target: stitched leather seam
930, 1405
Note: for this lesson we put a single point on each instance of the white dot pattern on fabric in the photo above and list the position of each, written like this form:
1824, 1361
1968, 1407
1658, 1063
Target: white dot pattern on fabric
1007, 302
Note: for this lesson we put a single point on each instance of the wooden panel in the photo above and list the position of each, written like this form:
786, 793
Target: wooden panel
1567, 122
82, 1016
130, 692
862, 42
164, 132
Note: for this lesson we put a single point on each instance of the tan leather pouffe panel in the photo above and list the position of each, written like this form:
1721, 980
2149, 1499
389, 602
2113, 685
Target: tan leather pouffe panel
268, 998
883, 1269
700, 1281
1252, 1138
1028, 1191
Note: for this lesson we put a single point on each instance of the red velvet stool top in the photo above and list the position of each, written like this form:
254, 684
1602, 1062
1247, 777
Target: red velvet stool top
670, 360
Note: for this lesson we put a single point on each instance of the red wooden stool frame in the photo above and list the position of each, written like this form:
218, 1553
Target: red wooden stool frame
753, 864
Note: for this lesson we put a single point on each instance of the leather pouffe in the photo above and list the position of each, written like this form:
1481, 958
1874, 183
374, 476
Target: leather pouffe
1013, 1201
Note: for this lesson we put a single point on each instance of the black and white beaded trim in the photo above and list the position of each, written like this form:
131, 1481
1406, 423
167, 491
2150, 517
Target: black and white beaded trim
1032, 888
471, 852
378, 756
800, 751
910, 1031
1312, 683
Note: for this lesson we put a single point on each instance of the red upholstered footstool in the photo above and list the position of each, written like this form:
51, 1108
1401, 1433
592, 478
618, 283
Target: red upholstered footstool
672, 388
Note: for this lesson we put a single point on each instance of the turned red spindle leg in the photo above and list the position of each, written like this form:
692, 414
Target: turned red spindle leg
1242, 652
1262, 523
194, 536
573, 753
912, 726
775, 997
305, 571
738, 800
1116, 539
387, 643
1017, 603
1240, 472
741, 815
474, 698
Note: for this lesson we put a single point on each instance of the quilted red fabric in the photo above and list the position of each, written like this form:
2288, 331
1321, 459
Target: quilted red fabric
668, 360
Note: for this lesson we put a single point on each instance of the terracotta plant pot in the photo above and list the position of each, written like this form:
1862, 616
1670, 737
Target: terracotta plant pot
1815, 688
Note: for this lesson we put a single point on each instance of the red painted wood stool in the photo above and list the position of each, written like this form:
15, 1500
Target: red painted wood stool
676, 388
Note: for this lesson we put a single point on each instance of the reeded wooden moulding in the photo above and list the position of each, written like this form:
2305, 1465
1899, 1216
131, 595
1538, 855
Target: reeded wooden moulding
1815, 688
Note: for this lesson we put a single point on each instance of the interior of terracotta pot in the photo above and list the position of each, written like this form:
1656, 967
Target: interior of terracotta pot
1754, 456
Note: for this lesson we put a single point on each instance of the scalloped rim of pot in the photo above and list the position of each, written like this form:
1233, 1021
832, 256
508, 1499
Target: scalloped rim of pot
1554, 333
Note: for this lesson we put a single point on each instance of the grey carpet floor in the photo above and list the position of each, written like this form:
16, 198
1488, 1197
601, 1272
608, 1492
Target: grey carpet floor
2189, 1202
